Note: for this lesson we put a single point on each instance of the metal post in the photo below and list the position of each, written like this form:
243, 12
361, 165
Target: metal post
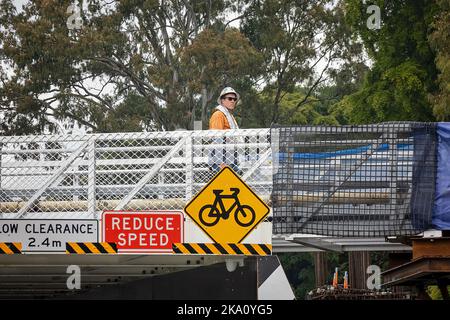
288, 141
76, 182
393, 162
91, 178
161, 183
189, 155
358, 262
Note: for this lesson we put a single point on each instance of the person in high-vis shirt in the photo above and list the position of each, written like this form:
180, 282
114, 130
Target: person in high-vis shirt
223, 119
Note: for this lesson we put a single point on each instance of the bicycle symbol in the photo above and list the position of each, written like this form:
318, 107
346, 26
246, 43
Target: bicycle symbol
210, 214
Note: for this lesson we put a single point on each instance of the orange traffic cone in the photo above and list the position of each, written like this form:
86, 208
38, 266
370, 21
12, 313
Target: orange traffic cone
346, 280
335, 278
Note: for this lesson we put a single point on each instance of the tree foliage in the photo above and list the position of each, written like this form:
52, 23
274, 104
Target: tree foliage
142, 48
216, 58
299, 269
403, 73
159, 65
440, 42
295, 37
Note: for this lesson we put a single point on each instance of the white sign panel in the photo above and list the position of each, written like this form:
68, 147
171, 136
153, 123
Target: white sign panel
47, 235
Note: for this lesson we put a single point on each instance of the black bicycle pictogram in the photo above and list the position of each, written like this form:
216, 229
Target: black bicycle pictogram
210, 214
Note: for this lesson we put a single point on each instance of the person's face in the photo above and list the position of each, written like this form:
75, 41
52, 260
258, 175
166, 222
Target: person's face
229, 101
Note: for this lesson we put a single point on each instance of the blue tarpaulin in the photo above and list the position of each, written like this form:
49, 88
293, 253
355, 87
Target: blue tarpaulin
423, 191
441, 214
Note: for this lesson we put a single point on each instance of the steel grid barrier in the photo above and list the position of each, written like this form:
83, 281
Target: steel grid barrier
79, 176
354, 181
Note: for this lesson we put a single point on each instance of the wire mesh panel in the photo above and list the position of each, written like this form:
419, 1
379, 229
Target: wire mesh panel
80, 176
354, 181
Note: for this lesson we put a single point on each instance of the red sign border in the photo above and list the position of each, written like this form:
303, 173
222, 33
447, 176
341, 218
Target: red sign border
140, 251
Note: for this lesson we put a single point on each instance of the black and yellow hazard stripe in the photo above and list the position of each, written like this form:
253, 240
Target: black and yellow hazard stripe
91, 248
223, 248
10, 248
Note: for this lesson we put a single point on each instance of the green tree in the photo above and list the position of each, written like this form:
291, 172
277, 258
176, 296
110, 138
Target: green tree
403, 72
315, 112
295, 37
440, 42
299, 269
131, 115
144, 48
217, 58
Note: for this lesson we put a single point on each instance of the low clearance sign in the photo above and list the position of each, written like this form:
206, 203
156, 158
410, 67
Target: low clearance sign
143, 231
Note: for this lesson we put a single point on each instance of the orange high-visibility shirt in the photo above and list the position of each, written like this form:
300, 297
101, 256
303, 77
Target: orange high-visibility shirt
218, 121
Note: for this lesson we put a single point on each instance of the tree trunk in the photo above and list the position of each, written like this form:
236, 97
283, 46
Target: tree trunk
204, 107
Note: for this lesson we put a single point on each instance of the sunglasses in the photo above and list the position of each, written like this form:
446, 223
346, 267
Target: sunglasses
230, 98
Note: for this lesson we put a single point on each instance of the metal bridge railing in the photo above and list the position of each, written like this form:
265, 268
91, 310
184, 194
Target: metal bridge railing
340, 181
81, 175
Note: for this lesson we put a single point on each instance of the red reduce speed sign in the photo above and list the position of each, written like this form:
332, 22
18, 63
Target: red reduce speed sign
143, 231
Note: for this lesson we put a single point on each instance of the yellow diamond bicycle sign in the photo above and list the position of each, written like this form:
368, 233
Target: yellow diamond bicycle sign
226, 208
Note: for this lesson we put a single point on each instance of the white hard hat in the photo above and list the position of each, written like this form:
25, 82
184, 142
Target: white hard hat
226, 91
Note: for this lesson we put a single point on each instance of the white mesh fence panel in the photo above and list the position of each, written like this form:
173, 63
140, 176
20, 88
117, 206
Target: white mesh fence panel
82, 175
